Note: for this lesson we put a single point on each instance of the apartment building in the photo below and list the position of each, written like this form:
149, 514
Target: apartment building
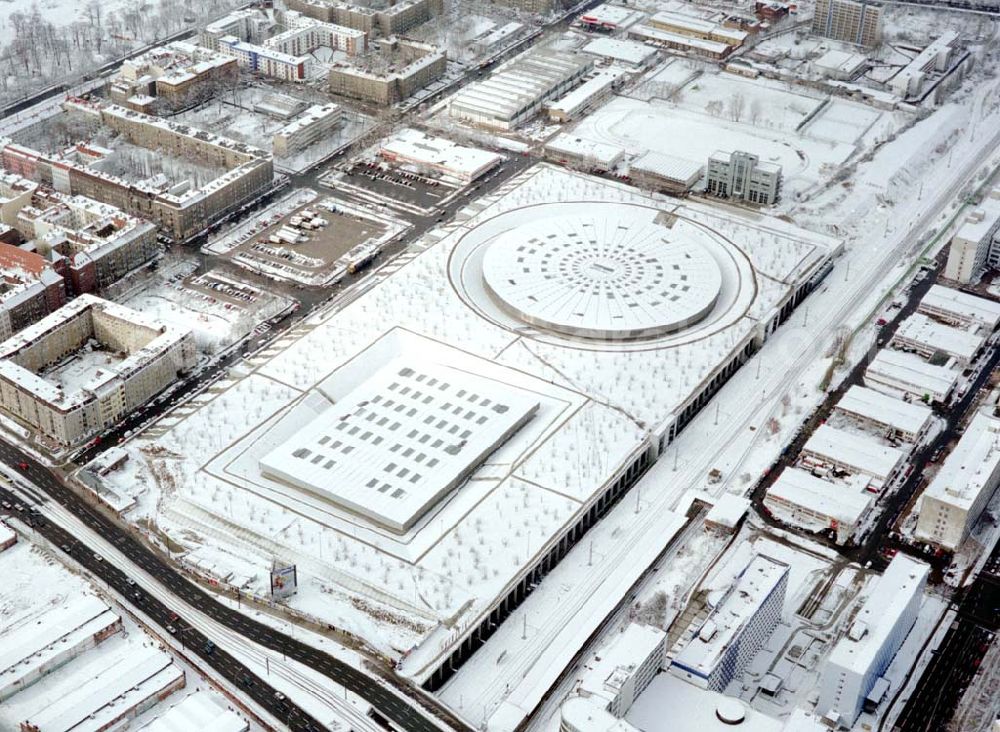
851, 21
737, 628
976, 245
153, 356
956, 496
390, 20
171, 76
862, 656
410, 67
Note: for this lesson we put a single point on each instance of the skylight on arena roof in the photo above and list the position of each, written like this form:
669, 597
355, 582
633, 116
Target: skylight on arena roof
401, 440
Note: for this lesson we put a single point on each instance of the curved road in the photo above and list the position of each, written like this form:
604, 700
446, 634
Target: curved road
388, 703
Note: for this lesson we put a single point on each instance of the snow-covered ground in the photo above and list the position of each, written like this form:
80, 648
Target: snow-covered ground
202, 470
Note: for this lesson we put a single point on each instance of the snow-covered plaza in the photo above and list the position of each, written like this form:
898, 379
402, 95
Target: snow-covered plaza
415, 593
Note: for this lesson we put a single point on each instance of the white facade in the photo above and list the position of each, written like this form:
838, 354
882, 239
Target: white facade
307, 129
742, 176
801, 499
960, 308
623, 669
737, 628
863, 655
959, 492
895, 418
974, 246
591, 92
829, 447
897, 373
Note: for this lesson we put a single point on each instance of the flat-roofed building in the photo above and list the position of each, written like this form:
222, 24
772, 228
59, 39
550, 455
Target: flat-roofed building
959, 308
894, 418
633, 55
409, 67
609, 18
974, 247
172, 76
438, 154
619, 673
660, 38
956, 496
800, 499
68, 408
403, 439
851, 21
307, 129
919, 334
830, 448
898, 373
594, 90
516, 91
862, 656
737, 628
742, 176
694, 27
666, 173
569, 149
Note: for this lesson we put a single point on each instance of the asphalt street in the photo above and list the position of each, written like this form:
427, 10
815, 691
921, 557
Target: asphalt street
388, 702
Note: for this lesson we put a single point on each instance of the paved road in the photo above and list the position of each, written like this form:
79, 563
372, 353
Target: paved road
933, 702
387, 701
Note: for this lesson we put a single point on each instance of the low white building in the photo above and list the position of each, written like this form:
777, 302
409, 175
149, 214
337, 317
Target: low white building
413, 147
309, 128
960, 308
737, 628
567, 148
727, 512
609, 18
594, 90
633, 55
919, 334
893, 417
861, 657
974, 247
841, 65
200, 712
800, 499
666, 172
516, 91
831, 449
898, 373
954, 499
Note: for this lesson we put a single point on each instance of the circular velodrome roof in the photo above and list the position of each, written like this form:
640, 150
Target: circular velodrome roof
615, 276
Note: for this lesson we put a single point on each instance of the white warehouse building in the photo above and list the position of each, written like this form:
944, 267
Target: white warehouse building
801, 499
959, 492
737, 628
516, 91
836, 449
898, 373
894, 418
919, 334
861, 657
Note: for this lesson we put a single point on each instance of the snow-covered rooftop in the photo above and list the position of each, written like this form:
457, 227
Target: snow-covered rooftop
414, 146
599, 153
197, 712
395, 445
930, 335
728, 510
629, 52
670, 167
605, 674
843, 502
971, 466
727, 620
620, 277
961, 306
862, 454
907, 372
903, 578
869, 404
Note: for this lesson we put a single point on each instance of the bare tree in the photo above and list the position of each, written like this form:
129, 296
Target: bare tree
737, 106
